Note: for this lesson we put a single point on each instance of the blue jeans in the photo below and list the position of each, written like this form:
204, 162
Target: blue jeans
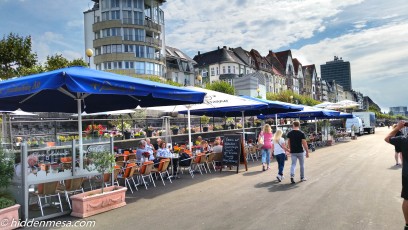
266, 156
295, 157
280, 158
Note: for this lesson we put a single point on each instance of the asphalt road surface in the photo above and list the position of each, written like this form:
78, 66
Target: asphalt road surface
351, 185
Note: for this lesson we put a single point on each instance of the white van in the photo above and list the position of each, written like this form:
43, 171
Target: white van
358, 124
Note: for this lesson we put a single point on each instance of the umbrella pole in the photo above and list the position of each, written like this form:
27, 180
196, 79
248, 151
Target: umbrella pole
243, 127
276, 121
3, 129
315, 125
81, 152
189, 128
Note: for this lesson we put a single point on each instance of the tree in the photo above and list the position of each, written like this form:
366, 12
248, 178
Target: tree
221, 86
58, 61
15, 54
286, 95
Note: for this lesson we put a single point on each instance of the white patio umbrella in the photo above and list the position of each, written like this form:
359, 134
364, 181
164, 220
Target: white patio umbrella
214, 100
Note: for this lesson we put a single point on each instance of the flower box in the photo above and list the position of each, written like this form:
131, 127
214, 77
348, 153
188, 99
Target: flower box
10, 214
94, 202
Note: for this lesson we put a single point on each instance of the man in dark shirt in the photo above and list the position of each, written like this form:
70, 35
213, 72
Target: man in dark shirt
297, 145
401, 142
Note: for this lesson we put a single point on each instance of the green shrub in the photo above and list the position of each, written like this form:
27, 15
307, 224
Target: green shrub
6, 202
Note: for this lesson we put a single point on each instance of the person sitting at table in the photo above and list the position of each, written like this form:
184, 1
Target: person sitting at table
199, 140
141, 148
150, 147
157, 145
217, 148
162, 152
205, 148
218, 138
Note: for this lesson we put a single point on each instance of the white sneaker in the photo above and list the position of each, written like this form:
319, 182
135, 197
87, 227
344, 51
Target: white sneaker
279, 178
303, 179
282, 177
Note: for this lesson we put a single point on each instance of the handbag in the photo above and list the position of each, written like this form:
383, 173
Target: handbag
260, 142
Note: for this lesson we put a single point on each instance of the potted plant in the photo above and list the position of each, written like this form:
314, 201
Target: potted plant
8, 207
174, 129
100, 200
258, 123
149, 131
204, 121
332, 137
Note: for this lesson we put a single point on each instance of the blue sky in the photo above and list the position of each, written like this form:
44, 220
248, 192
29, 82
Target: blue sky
371, 34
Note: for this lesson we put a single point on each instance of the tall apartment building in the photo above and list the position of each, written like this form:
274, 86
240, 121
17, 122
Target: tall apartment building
337, 70
127, 36
399, 110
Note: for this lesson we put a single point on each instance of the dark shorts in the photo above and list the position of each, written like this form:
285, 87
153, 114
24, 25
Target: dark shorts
404, 192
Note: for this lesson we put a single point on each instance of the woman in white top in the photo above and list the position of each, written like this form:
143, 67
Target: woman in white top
279, 150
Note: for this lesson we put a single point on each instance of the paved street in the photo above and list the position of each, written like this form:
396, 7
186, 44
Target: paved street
351, 185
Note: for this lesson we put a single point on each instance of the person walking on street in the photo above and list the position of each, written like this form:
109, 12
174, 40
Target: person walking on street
297, 146
398, 154
401, 142
279, 151
266, 135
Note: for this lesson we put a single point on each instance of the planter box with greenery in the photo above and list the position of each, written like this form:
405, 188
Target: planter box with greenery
204, 122
100, 200
174, 129
8, 207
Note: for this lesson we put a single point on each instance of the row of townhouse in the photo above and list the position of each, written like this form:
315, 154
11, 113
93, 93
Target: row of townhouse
255, 75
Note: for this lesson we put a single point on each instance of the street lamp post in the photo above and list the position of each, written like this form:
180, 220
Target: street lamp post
89, 53
258, 90
291, 98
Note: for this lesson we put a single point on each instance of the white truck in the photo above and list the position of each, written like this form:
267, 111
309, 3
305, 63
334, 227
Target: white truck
368, 119
354, 123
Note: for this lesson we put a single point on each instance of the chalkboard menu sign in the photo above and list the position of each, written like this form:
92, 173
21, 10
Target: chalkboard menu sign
232, 149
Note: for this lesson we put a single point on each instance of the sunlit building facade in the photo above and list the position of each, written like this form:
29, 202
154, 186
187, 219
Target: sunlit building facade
126, 36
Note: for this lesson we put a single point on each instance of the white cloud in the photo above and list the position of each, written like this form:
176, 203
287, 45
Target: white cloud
376, 57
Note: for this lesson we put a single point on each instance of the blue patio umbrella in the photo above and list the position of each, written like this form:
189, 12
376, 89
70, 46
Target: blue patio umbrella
77, 89
308, 113
60, 90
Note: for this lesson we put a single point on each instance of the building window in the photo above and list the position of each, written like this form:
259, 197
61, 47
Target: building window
218, 71
140, 35
114, 3
97, 35
116, 32
150, 52
138, 4
139, 68
233, 69
127, 3
138, 18
127, 17
229, 69
212, 71
129, 65
106, 33
105, 16
116, 48
140, 51
107, 65
97, 51
106, 49
127, 34
115, 15
223, 69
129, 49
